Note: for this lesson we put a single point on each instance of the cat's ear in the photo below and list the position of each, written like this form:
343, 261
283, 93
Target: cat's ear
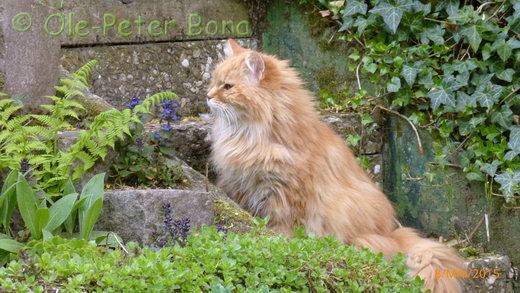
232, 48
255, 67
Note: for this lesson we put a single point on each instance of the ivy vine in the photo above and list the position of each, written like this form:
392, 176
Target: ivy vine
447, 66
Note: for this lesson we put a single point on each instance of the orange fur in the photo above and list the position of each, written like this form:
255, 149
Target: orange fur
276, 158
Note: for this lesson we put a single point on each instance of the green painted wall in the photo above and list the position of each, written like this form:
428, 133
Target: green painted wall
450, 205
291, 33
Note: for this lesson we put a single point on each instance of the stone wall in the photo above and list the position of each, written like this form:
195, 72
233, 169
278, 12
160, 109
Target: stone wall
143, 46
142, 70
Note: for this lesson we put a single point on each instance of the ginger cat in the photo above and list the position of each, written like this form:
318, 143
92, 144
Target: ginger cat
276, 158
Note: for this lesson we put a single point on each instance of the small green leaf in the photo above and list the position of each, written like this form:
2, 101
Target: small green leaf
41, 220
394, 84
409, 74
488, 96
441, 97
11, 245
472, 35
464, 100
504, 117
506, 75
392, 13
508, 181
353, 140
354, 7
514, 139
60, 211
27, 204
490, 169
91, 218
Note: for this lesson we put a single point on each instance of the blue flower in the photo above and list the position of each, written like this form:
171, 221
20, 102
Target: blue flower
133, 102
168, 110
157, 136
167, 127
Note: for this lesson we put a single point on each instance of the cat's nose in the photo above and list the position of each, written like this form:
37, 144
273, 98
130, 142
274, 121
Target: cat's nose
209, 97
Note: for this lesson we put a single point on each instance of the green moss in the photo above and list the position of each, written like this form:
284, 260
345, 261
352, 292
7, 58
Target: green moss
327, 78
235, 219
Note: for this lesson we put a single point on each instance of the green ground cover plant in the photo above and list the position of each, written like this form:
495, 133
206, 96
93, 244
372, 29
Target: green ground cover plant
210, 261
449, 67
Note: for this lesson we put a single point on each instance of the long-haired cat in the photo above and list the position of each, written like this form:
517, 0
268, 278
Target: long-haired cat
276, 158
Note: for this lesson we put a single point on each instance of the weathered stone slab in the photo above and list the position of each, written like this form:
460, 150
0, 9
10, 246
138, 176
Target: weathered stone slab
192, 144
490, 274
142, 70
86, 22
135, 214
31, 58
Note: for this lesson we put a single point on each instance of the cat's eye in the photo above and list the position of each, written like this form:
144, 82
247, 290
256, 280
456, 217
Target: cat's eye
227, 86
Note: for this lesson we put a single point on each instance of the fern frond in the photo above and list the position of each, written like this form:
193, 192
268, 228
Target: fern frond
84, 72
38, 130
39, 159
95, 149
6, 113
150, 102
73, 93
4, 102
72, 104
37, 146
47, 120
88, 160
72, 83
17, 122
70, 113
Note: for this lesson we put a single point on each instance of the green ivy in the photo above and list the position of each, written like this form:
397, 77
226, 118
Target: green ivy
452, 68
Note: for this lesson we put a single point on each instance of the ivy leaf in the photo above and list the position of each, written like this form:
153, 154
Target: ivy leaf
394, 85
489, 96
441, 97
502, 48
451, 6
452, 84
464, 100
510, 156
418, 6
486, 52
508, 181
347, 23
427, 80
473, 36
504, 117
506, 75
354, 7
435, 34
490, 169
514, 139
513, 42
409, 74
414, 22
362, 23
392, 13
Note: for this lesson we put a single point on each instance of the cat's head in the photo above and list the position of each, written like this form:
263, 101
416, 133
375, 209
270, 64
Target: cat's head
240, 84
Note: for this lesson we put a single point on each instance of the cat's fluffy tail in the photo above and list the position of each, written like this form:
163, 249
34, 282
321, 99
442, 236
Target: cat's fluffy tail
433, 261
